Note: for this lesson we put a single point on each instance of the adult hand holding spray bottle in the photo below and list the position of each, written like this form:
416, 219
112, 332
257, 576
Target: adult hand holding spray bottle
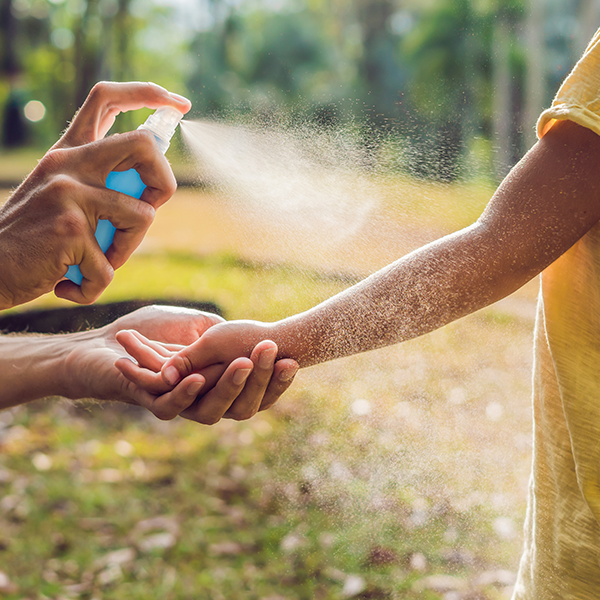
162, 124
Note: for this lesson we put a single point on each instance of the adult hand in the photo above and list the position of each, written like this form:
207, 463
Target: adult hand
91, 372
49, 222
219, 353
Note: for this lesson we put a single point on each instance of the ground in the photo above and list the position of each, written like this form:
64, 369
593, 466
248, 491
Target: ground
400, 473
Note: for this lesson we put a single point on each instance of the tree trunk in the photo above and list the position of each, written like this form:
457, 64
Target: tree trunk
501, 82
535, 78
588, 16
8, 33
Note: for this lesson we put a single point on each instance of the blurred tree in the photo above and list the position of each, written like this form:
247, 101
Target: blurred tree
8, 34
448, 53
65, 46
535, 92
14, 129
259, 59
588, 16
438, 72
466, 79
380, 69
507, 82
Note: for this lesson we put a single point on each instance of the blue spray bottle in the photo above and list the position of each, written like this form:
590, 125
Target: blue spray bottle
162, 124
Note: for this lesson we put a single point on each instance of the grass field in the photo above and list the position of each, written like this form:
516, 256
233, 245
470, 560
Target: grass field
397, 474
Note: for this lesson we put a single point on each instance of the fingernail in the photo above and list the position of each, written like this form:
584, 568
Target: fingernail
171, 375
195, 388
240, 376
266, 358
288, 374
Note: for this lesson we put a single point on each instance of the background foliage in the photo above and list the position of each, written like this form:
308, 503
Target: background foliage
398, 474
443, 76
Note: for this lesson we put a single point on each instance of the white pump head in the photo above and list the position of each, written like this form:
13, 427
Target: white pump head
163, 123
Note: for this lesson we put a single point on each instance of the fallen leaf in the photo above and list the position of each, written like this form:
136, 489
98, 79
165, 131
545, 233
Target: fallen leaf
160, 541
166, 522
115, 558
226, 548
500, 577
441, 584
353, 586
379, 556
109, 575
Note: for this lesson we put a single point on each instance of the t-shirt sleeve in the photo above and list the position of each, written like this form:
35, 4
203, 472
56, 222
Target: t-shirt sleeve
578, 98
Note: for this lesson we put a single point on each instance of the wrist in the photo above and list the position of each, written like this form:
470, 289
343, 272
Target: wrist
7, 298
294, 341
32, 367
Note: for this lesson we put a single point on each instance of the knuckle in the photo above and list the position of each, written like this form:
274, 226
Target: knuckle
106, 274
70, 225
99, 91
142, 139
146, 214
87, 300
61, 186
52, 161
164, 414
209, 419
241, 414
186, 364
155, 88
170, 185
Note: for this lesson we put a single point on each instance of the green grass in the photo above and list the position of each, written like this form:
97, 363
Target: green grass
15, 164
295, 503
302, 502
241, 290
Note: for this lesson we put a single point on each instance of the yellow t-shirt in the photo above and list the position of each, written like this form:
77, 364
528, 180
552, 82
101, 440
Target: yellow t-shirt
561, 558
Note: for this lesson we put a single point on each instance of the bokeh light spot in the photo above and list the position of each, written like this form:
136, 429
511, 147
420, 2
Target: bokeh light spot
34, 111
62, 38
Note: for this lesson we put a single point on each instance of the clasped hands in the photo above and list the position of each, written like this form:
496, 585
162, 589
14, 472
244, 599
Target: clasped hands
222, 369
95, 364
48, 223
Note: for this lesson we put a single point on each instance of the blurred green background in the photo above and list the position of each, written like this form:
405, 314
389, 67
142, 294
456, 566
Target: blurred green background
450, 79
397, 474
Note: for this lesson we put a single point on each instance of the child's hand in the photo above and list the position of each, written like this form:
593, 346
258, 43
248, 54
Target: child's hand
236, 362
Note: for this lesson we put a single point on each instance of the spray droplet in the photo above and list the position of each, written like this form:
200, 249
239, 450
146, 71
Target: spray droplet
504, 528
494, 411
361, 407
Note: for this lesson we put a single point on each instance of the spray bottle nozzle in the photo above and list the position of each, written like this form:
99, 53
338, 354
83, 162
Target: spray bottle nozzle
163, 123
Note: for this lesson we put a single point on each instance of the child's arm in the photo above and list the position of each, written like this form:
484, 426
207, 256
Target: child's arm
547, 202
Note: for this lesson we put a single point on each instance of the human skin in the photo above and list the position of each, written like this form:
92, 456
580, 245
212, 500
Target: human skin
49, 221
82, 365
545, 204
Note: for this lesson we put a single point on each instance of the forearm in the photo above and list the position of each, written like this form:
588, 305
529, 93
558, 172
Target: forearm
427, 289
32, 367
547, 203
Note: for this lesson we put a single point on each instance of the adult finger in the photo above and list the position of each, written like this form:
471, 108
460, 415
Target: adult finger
210, 408
165, 350
248, 402
131, 218
283, 376
143, 378
172, 403
97, 274
132, 150
145, 354
107, 99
